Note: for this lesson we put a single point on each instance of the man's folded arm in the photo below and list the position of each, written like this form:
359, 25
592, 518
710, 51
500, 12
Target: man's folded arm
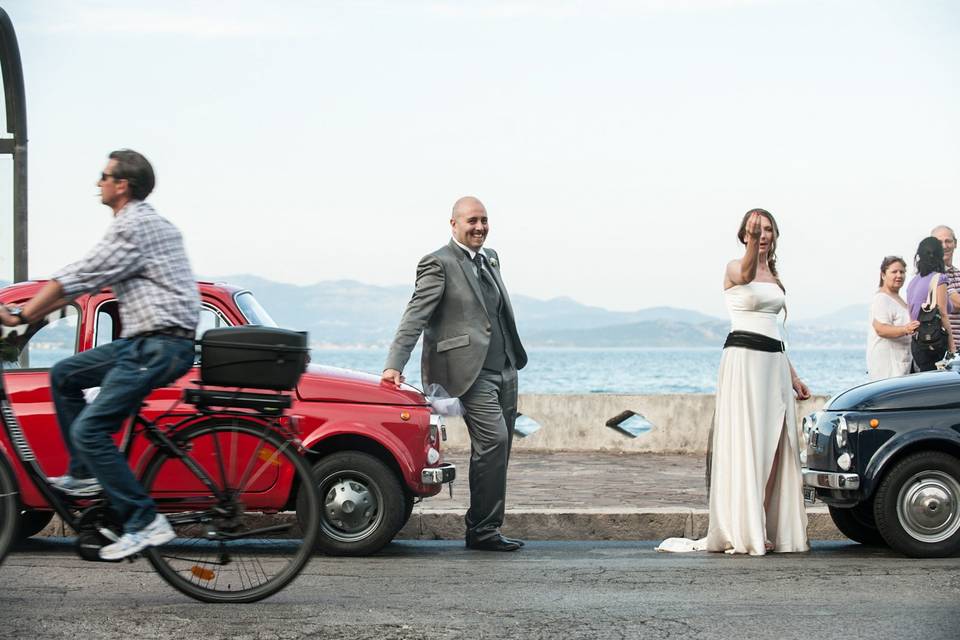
426, 297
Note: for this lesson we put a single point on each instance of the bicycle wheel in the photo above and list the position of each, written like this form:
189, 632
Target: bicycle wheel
9, 508
246, 543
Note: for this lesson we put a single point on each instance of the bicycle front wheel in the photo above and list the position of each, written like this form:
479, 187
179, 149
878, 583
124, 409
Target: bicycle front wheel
245, 540
9, 508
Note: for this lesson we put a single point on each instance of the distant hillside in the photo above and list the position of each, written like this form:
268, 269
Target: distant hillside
350, 313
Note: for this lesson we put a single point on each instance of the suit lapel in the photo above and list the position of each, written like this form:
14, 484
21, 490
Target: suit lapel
503, 290
467, 268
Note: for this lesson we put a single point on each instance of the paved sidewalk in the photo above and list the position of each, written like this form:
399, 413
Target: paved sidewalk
578, 480
591, 496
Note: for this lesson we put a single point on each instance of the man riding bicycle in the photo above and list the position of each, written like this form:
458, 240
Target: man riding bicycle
143, 258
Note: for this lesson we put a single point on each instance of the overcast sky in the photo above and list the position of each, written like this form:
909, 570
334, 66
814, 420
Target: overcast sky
615, 144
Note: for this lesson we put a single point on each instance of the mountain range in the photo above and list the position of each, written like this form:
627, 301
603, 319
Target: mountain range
346, 313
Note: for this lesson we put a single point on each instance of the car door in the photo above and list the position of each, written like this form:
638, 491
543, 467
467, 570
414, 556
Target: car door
28, 354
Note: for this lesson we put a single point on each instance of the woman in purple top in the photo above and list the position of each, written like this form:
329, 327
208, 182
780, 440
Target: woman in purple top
929, 263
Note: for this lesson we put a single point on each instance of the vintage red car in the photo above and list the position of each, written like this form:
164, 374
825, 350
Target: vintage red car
375, 447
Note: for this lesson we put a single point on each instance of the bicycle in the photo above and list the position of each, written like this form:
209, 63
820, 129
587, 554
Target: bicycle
223, 475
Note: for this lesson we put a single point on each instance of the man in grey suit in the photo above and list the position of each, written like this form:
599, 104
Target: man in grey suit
471, 349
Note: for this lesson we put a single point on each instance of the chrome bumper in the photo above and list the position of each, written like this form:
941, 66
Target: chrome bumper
439, 475
831, 480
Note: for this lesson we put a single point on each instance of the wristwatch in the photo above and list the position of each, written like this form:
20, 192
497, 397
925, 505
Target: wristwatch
17, 312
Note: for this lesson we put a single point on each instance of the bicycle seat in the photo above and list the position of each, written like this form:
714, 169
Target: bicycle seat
262, 402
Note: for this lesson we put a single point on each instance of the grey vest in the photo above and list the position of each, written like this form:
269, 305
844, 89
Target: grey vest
500, 353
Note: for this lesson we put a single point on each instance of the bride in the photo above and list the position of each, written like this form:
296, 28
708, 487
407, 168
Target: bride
756, 488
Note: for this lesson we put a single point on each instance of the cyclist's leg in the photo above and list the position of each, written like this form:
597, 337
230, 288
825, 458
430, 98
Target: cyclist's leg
68, 379
140, 366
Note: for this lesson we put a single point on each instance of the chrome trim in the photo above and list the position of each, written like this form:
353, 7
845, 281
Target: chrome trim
16, 433
830, 480
439, 475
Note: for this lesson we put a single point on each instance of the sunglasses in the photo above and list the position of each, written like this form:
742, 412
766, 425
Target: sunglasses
104, 175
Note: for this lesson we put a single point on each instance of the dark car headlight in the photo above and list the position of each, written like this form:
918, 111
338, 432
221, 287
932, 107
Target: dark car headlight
843, 430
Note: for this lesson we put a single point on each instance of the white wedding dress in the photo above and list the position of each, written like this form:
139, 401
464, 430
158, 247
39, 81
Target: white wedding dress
754, 424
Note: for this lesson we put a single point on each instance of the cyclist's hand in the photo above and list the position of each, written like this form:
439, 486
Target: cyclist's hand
392, 375
7, 319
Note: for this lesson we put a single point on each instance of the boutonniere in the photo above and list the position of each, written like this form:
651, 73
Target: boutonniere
494, 263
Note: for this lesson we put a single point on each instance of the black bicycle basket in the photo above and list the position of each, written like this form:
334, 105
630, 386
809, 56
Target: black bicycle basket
258, 357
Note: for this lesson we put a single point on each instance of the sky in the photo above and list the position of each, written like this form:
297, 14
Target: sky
615, 144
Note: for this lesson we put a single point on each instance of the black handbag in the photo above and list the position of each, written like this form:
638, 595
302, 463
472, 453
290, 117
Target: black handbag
930, 335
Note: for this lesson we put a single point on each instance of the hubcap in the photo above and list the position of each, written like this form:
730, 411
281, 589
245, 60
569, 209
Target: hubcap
351, 507
927, 506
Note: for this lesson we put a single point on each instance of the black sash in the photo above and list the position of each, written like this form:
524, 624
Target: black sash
754, 341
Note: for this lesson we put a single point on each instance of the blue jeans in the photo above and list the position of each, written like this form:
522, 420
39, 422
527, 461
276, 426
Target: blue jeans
126, 371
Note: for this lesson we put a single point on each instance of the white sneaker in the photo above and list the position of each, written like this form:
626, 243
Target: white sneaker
154, 534
81, 487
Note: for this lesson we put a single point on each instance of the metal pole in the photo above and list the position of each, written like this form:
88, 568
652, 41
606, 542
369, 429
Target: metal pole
15, 98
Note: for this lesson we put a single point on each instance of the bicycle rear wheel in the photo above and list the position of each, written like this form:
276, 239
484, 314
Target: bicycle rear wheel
9, 508
247, 543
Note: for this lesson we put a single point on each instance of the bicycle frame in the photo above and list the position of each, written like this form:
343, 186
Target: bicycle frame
65, 506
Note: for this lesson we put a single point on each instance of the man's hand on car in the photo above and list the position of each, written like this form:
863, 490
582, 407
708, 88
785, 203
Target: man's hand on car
392, 375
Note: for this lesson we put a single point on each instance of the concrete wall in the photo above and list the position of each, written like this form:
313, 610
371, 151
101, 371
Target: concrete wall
578, 422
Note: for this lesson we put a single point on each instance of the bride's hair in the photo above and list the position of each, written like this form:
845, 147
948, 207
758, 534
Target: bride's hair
772, 250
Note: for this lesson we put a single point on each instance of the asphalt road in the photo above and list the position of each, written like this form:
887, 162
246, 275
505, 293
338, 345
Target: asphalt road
567, 590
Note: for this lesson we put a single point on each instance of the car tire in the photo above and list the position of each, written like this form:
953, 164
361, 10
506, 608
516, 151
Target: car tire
917, 506
407, 510
32, 522
858, 524
362, 504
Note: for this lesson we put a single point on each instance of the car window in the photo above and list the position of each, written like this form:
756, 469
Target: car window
41, 344
253, 311
108, 322
210, 319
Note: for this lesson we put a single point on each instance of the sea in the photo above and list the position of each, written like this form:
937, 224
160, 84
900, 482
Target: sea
639, 371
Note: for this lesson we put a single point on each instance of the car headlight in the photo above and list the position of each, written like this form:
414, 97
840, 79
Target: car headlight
842, 431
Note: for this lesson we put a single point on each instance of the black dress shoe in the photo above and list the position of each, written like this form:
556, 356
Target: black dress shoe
496, 543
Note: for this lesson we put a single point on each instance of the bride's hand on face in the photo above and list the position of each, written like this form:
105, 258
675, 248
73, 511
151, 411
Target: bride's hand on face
754, 225
800, 389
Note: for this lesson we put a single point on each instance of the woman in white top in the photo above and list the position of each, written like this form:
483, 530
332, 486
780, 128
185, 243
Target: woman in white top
888, 338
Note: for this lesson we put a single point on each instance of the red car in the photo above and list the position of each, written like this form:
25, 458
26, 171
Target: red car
375, 447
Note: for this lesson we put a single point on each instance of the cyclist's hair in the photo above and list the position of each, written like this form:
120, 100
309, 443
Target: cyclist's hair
136, 170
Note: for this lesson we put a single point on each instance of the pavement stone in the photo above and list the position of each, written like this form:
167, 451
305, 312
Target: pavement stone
557, 495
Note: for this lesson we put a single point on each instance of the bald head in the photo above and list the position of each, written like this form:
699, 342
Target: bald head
468, 222
948, 239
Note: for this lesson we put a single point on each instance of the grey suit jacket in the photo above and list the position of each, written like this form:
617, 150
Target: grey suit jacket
447, 307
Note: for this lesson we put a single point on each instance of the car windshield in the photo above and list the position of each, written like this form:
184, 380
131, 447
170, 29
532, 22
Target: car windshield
253, 311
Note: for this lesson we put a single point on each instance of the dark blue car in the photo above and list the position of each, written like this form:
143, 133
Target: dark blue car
885, 458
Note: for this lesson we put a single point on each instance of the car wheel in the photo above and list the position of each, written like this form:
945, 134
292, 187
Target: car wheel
407, 510
32, 522
858, 523
917, 506
362, 504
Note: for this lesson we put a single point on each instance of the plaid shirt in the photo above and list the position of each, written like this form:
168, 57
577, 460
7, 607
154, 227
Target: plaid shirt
143, 259
953, 284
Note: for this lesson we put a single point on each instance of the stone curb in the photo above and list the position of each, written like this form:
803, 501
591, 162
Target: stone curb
571, 524
593, 524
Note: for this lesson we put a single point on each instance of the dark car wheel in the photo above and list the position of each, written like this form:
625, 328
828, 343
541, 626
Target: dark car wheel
362, 503
407, 510
858, 524
917, 506
32, 523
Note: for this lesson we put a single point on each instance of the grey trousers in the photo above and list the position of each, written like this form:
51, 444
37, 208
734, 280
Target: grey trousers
491, 411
